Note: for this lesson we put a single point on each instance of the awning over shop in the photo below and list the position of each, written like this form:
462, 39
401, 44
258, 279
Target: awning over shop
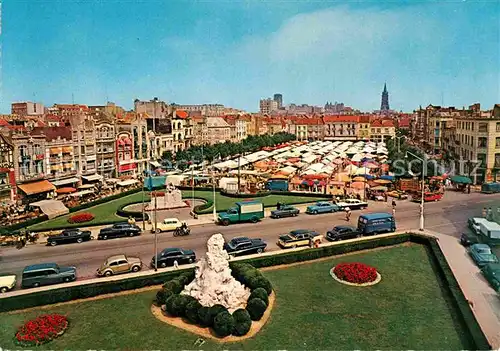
155, 164
65, 181
67, 149
92, 178
127, 182
55, 150
52, 208
86, 186
458, 179
113, 180
81, 193
42, 186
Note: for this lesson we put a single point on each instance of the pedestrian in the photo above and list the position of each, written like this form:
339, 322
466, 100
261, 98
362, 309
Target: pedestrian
176, 264
468, 189
393, 203
485, 212
490, 214
347, 214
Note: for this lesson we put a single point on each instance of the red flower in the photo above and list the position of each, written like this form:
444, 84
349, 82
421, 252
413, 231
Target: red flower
358, 273
81, 218
41, 329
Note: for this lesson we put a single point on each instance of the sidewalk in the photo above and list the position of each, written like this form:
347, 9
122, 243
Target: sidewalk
485, 302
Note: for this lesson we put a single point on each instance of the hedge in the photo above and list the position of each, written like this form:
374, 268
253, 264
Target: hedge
244, 195
104, 200
63, 294
137, 215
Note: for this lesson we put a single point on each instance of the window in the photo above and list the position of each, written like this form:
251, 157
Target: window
482, 141
498, 127
497, 160
37, 149
497, 142
112, 264
23, 150
483, 128
121, 262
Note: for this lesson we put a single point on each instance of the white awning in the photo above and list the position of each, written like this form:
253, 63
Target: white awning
86, 186
65, 181
128, 182
52, 208
155, 163
113, 180
81, 193
92, 177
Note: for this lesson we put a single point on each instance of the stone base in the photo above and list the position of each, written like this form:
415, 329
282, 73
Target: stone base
160, 207
208, 332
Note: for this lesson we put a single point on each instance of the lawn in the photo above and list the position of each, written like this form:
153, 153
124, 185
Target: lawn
408, 309
105, 213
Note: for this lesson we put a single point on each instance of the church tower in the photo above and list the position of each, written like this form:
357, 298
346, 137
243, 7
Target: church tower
384, 105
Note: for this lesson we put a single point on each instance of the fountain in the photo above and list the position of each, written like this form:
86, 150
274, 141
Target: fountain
172, 199
213, 283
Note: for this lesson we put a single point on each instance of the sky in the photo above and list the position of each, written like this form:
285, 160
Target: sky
236, 52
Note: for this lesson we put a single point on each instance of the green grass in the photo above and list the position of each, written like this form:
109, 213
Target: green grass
106, 213
408, 309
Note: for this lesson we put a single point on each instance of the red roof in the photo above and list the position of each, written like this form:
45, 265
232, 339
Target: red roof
52, 133
340, 119
404, 122
308, 121
382, 123
181, 114
3, 122
53, 118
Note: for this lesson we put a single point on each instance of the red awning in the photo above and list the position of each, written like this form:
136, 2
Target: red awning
128, 141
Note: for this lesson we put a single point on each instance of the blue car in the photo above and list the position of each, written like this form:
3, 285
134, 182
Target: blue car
481, 254
322, 207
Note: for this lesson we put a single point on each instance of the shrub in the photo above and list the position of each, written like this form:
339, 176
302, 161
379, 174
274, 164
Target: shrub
214, 311
223, 324
242, 322
81, 217
260, 293
192, 310
256, 308
179, 305
174, 285
169, 303
186, 278
261, 282
162, 295
204, 316
247, 276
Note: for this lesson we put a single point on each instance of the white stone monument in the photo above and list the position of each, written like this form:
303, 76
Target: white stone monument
171, 199
213, 283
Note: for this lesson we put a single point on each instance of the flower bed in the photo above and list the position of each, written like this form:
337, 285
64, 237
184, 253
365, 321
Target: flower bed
355, 274
41, 330
81, 218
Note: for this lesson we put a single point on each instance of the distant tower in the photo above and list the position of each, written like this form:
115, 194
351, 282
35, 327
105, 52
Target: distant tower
279, 99
384, 106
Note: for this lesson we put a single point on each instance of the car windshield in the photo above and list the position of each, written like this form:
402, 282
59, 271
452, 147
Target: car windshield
485, 251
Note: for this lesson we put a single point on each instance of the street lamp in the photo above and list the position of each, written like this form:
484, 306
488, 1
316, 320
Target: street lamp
399, 143
422, 195
155, 226
213, 181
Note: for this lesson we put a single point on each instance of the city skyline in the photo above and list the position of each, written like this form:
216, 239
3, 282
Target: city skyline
237, 53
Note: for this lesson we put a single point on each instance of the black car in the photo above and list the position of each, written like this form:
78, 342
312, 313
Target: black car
69, 236
167, 257
244, 246
342, 232
468, 239
119, 230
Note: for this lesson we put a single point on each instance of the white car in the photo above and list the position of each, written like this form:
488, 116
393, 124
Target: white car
353, 204
7, 282
474, 223
168, 225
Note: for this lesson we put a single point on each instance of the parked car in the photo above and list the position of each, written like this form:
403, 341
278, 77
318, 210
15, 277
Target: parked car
342, 232
376, 223
467, 239
119, 264
119, 230
353, 204
70, 236
7, 283
481, 254
300, 237
168, 224
242, 245
167, 257
398, 194
474, 223
428, 197
285, 211
322, 207
491, 272
46, 274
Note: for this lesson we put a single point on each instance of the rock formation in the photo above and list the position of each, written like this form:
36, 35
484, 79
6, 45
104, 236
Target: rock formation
213, 283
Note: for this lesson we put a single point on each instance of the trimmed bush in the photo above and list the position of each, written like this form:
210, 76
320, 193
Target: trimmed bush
260, 293
214, 311
174, 285
162, 295
186, 278
242, 322
261, 282
177, 307
256, 308
192, 310
169, 303
223, 324
204, 316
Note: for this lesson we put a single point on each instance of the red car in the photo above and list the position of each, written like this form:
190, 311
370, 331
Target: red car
430, 197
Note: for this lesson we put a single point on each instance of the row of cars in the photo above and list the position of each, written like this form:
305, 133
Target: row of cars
481, 253
320, 207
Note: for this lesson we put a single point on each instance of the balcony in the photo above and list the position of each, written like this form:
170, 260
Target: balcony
29, 177
107, 151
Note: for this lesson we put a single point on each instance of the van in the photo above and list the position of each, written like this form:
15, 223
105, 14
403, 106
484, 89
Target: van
491, 230
375, 223
46, 274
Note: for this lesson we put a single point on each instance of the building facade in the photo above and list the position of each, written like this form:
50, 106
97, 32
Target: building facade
7, 172
84, 144
218, 130
27, 109
105, 140
341, 127
267, 106
381, 130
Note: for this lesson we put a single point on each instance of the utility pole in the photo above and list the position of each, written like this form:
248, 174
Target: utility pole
239, 179
156, 232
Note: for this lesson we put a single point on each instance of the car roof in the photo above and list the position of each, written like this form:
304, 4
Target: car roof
239, 239
300, 231
116, 257
376, 215
481, 246
322, 202
337, 227
479, 219
39, 266
171, 249
171, 219
494, 266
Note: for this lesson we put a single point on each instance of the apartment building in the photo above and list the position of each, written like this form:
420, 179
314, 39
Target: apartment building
84, 144
275, 125
207, 110
154, 108
182, 130
132, 145
267, 106
105, 139
307, 128
381, 130
437, 125
238, 128
200, 136
218, 130
364, 129
27, 108
342, 127
7, 173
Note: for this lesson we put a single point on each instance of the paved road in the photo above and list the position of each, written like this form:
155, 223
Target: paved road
448, 217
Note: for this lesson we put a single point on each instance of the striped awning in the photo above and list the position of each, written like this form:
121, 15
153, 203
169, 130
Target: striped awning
67, 149
55, 150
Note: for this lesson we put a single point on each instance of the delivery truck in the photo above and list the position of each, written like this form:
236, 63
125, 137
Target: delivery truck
244, 211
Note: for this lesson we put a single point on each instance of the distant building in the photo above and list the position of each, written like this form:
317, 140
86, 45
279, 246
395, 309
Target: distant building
267, 106
279, 99
27, 109
384, 105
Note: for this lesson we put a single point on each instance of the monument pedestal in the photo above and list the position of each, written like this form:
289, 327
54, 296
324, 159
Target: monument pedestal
172, 199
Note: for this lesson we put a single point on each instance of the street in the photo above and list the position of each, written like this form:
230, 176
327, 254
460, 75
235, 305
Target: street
448, 217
